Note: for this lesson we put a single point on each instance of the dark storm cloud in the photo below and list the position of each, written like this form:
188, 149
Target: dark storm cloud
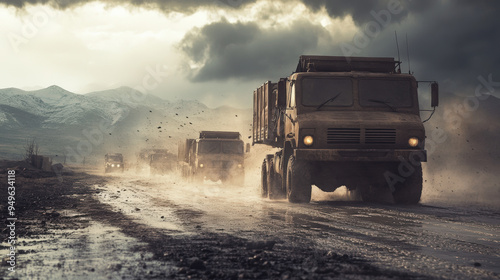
454, 42
185, 6
233, 50
460, 41
361, 10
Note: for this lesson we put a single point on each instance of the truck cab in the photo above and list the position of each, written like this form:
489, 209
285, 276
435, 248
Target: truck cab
113, 163
341, 122
215, 155
161, 161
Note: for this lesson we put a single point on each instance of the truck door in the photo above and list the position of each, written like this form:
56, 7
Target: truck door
291, 111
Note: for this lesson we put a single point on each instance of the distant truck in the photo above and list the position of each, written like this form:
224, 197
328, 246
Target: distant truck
113, 163
162, 161
215, 155
159, 161
340, 121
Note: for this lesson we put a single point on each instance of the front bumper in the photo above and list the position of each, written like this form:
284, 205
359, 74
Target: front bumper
360, 155
216, 174
114, 168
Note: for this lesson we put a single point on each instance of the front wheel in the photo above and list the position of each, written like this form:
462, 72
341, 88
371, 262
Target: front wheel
274, 184
298, 181
409, 191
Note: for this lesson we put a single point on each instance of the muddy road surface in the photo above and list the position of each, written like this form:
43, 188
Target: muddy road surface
160, 227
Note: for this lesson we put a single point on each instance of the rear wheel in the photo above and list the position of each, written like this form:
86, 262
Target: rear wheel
409, 191
263, 180
274, 184
298, 181
184, 171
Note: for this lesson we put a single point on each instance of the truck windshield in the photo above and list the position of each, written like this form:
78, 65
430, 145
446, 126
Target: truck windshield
232, 147
114, 158
385, 93
209, 147
217, 147
158, 157
316, 91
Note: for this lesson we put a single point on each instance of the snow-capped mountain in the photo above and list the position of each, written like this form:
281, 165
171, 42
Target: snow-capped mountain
122, 120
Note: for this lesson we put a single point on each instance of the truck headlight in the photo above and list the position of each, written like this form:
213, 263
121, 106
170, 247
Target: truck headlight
239, 165
117, 165
112, 165
308, 140
413, 141
201, 165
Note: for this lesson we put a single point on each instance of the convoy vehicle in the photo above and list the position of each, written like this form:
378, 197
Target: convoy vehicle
215, 155
157, 161
162, 161
342, 121
113, 163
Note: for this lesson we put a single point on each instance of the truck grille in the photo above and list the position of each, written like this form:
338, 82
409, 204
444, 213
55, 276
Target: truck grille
223, 164
354, 136
380, 136
343, 136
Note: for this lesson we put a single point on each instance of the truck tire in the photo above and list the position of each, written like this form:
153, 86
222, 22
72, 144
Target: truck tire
184, 172
298, 181
263, 180
409, 191
274, 184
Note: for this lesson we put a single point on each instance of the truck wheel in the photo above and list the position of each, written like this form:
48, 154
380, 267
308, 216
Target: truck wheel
410, 191
184, 172
263, 180
274, 184
298, 181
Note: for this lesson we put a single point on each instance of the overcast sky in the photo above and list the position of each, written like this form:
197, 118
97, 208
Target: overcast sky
218, 51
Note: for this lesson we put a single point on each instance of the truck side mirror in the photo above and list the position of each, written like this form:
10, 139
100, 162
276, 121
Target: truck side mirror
434, 94
247, 148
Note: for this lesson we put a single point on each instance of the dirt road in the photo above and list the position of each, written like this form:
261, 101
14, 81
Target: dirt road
130, 227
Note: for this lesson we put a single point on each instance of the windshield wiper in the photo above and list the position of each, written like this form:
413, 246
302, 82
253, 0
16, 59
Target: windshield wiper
383, 102
328, 101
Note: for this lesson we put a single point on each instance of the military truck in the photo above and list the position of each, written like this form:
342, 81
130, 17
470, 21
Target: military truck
157, 161
215, 155
161, 161
342, 121
113, 163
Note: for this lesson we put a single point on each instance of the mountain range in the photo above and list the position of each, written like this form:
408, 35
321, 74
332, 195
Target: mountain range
117, 120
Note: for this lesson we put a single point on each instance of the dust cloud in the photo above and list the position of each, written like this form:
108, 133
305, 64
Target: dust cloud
463, 166
461, 169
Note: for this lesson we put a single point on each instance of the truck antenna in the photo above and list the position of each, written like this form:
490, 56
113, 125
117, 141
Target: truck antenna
397, 46
408, 53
